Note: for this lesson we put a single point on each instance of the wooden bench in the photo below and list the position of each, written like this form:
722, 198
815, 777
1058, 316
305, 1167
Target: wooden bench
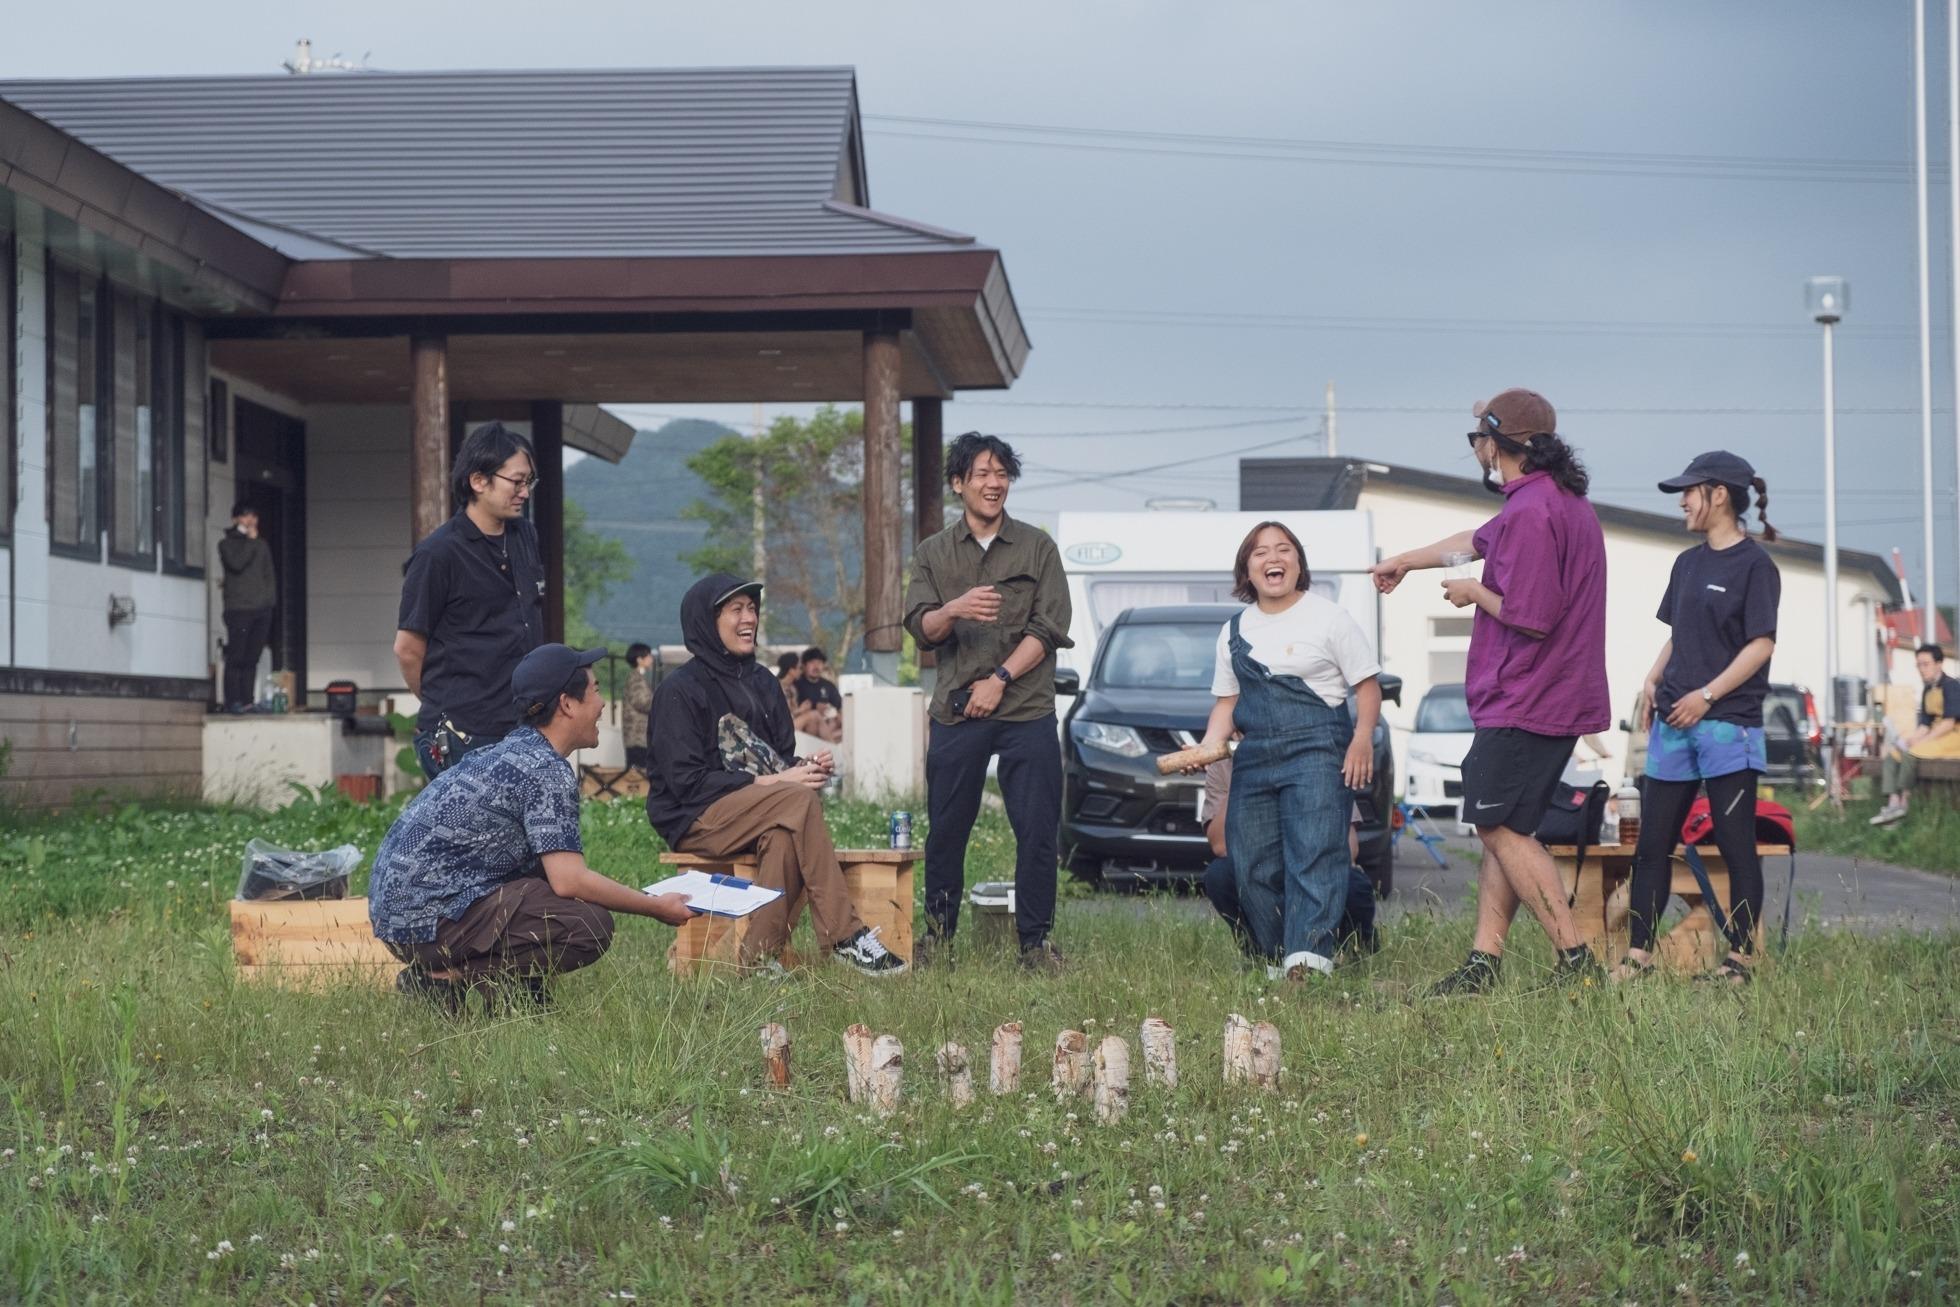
309, 944
880, 885
1601, 904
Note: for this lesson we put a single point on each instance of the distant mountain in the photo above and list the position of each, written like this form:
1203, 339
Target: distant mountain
638, 502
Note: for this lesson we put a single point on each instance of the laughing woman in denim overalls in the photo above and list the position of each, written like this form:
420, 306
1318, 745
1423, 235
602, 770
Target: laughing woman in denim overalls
1285, 668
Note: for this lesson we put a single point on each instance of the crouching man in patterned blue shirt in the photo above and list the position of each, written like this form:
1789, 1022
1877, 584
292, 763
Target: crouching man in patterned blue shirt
482, 880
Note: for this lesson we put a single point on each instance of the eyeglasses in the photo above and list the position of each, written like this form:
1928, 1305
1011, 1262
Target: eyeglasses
522, 483
1474, 436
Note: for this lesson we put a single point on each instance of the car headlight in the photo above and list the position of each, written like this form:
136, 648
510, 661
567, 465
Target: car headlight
1109, 737
1417, 755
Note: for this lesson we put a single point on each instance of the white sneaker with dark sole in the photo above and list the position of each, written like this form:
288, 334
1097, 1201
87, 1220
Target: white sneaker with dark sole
865, 952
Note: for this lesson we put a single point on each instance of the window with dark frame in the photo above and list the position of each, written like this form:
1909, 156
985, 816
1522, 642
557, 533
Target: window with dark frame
218, 415
132, 443
181, 454
75, 343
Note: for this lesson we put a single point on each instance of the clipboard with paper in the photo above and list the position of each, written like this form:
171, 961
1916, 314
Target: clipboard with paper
717, 895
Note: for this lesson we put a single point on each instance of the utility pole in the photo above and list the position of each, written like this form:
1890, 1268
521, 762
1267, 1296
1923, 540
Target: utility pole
1333, 438
759, 559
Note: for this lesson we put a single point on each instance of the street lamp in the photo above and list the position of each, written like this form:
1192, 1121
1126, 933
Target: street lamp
1828, 298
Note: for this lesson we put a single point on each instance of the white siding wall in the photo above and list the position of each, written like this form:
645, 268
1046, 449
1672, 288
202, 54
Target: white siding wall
62, 608
1638, 564
358, 537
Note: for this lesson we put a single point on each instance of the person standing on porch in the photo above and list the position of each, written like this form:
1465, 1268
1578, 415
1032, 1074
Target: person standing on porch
1536, 679
251, 589
473, 602
636, 700
989, 598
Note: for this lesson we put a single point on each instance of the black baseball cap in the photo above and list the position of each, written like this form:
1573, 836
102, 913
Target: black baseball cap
545, 673
1718, 466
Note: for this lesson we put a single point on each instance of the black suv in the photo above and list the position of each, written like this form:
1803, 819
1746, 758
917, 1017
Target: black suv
1149, 693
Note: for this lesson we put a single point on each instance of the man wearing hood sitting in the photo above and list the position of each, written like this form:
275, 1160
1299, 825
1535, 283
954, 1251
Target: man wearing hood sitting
725, 783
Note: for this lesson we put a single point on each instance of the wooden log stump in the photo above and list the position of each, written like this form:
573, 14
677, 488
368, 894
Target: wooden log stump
959, 1075
1112, 1079
1159, 1044
1004, 1072
1264, 1070
887, 1073
1238, 1049
775, 1055
858, 1042
1072, 1064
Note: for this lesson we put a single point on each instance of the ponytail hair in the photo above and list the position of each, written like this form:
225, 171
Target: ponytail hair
1548, 453
1739, 500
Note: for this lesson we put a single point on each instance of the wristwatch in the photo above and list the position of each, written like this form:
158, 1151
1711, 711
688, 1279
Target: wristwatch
1006, 677
1706, 697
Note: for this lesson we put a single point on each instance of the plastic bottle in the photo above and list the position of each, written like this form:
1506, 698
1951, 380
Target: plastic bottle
1628, 803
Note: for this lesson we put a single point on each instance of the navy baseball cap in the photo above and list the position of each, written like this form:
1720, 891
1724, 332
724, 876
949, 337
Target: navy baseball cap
1718, 466
545, 673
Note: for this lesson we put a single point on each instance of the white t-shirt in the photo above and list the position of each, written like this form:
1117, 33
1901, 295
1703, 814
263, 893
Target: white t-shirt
1316, 640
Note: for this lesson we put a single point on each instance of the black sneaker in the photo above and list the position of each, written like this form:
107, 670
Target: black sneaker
446, 995
864, 952
1043, 957
1477, 975
1577, 966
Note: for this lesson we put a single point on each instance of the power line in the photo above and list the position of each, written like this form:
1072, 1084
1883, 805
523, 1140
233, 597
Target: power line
1160, 467
1384, 154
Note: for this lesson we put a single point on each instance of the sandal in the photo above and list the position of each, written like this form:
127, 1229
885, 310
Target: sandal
1730, 972
1632, 968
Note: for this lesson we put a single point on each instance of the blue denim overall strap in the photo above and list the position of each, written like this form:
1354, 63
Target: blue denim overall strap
1286, 823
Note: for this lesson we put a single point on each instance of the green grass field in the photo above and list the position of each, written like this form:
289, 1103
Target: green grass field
167, 1135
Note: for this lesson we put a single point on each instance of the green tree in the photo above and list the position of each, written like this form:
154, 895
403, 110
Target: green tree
811, 474
594, 564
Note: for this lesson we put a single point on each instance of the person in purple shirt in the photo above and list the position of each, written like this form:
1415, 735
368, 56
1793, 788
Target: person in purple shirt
1536, 678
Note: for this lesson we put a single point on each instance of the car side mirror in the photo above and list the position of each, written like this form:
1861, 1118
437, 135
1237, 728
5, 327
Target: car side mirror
1068, 681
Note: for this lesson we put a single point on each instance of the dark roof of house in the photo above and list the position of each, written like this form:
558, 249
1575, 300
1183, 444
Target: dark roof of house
628, 163
1331, 483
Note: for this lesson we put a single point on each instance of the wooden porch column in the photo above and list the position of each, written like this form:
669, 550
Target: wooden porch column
928, 489
884, 507
428, 448
548, 510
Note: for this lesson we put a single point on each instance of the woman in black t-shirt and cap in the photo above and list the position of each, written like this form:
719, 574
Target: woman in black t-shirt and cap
1704, 700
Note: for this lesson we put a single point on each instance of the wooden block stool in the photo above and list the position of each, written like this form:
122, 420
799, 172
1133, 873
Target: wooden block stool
309, 944
879, 882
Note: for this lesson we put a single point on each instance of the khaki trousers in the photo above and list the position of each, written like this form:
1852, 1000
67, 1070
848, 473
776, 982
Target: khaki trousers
782, 826
519, 928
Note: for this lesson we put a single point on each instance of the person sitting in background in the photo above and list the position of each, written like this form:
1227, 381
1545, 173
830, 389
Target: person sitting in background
482, 879
819, 707
1221, 885
725, 781
1933, 735
636, 699
789, 670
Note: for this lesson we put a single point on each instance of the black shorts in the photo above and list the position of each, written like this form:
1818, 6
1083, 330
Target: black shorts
1509, 775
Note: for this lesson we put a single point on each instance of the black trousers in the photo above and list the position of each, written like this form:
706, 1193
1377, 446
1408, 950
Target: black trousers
1663, 807
246, 633
1221, 886
1030, 784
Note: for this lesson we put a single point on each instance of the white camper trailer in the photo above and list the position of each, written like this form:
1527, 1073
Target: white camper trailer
1116, 561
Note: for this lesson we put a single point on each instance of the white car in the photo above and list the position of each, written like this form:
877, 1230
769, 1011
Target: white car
1433, 776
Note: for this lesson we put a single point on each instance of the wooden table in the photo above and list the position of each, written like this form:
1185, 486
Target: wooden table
1604, 890
880, 885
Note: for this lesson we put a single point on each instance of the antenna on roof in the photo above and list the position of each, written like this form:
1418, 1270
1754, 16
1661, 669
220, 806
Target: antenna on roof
303, 61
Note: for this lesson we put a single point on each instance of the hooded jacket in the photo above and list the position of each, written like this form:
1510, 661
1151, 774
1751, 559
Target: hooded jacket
687, 773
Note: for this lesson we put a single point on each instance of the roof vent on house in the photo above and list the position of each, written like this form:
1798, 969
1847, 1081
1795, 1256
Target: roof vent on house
303, 61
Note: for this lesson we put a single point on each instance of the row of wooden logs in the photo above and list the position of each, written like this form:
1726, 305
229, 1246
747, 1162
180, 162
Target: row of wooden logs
874, 1065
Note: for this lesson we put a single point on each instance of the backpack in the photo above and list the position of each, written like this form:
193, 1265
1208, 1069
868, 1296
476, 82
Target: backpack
1575, 815
1773, 824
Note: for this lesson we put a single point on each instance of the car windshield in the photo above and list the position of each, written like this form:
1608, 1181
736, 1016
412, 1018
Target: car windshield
1154, 656
1444, 710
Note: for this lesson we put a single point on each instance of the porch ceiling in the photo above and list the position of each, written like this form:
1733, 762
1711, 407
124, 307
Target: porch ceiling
667, 367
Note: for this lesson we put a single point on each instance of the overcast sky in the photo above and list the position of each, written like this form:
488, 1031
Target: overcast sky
1217, 287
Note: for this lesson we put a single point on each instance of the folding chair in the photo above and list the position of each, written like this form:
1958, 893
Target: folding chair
1412, 817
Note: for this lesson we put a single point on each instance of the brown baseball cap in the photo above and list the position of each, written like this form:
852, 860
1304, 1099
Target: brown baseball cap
1517, 413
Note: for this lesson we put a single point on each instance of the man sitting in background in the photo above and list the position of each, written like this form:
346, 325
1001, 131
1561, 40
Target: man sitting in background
819, 707
725, 781
1933, 735
482, 879
1357, 927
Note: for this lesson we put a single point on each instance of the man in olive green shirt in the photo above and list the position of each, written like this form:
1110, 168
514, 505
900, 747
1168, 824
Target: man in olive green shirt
989, 598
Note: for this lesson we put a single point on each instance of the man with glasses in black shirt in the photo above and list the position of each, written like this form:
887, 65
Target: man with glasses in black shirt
473, 602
